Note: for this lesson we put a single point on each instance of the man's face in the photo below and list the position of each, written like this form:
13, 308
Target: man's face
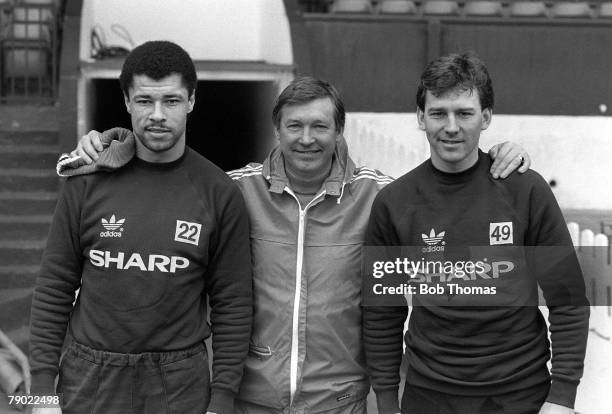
159, 111
452, 123
307, 135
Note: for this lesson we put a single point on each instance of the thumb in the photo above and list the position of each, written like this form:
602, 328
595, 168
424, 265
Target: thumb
493, 151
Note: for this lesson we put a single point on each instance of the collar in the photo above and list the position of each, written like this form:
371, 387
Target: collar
341, 172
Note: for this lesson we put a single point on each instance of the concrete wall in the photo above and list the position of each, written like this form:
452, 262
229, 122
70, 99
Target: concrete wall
236, 30
575, 152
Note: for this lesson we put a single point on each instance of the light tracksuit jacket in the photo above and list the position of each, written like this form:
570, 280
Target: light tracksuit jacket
306, 351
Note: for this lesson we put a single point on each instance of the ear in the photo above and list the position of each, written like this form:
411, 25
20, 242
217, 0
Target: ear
421, 119
191, 102
487, 114
339, 135
126, 100
276, 133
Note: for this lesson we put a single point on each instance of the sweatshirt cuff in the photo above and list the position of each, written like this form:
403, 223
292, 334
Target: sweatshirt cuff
387, 401
562, 393
221, 401
43, 383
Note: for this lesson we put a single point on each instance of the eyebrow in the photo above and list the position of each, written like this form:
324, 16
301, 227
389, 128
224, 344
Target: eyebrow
314, 120
165, 96
467, 108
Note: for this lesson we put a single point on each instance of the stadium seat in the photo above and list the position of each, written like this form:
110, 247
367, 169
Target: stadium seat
528, 9
396, 7
605, 10
351, 6
483, 8
440, 7
566, 9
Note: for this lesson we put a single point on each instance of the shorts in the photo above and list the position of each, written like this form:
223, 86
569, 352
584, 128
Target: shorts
417, 400
100, 382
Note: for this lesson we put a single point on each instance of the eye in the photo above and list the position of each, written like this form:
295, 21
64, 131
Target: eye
436, 114
321, 127
143, 101
293, 127
173, 101
465, 114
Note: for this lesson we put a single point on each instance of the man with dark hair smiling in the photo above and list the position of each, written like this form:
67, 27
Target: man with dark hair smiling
471, 354
145, 245
308, 206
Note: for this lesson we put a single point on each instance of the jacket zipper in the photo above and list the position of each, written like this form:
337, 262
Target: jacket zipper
295, 332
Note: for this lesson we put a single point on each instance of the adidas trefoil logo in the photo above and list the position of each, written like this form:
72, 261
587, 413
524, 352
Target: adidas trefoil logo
111, 225
431, 240
435, 242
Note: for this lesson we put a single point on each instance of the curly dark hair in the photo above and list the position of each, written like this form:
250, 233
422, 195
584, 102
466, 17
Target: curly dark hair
158, 59
465, 71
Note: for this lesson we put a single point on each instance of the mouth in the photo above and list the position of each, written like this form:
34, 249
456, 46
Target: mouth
157, 130
307, 152
451, 141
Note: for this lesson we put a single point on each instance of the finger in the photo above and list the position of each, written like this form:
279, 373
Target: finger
88, 147
503, 157
96, 140
512, 165
81, 153
493, 151
493, 154
97, 144
526, 163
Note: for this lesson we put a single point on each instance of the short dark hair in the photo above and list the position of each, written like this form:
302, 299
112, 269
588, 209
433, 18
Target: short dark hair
465, 71
305, 89
158, 59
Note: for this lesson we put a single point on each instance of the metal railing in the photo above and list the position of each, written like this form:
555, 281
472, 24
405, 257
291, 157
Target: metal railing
29, 51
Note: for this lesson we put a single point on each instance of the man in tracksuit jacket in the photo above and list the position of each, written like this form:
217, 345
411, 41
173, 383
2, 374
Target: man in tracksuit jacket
308, 208
476, 342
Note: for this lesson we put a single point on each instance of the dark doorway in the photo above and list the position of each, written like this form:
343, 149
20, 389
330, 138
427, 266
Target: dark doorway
230, 124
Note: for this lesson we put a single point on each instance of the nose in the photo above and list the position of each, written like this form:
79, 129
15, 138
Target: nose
451, 127
306, 137
157, 114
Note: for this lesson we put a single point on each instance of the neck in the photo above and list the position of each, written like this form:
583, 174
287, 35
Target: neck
163, 156
454, 167
307, 185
